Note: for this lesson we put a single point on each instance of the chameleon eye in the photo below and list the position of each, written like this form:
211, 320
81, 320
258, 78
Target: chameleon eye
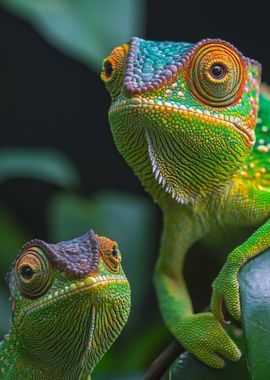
33, 272
114, 258
27, 272
113, 70
218, 71
115, 253
216, 74
108, 68
110, 254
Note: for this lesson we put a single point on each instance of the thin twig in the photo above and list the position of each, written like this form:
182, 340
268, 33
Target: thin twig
163, 361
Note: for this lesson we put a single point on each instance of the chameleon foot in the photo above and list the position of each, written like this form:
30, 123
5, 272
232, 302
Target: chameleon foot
225, 287
204, 337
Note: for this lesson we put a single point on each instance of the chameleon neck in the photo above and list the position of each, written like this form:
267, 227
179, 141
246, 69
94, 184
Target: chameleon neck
17, 364
55, 359
14, 363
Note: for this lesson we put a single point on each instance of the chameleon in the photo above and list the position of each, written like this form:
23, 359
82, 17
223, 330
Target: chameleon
70, 301
192, 120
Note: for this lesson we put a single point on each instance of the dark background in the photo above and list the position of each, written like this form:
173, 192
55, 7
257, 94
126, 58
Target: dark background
47, 98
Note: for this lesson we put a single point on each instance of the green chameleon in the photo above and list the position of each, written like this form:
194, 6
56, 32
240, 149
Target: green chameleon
183, 116
70, 302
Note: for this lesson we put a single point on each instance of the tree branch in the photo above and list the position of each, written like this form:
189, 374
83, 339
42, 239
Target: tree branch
163, 361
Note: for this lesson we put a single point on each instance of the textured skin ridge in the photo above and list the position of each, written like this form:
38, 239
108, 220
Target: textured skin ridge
186, 121
77, 257
72, 288
151, 65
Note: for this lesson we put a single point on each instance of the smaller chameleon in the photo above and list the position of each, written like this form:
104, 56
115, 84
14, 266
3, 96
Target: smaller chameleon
70, 302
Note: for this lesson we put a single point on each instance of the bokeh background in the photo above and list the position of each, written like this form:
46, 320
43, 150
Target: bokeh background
60, 173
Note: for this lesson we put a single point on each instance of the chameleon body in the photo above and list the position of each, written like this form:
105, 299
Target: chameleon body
185, 118
70, 302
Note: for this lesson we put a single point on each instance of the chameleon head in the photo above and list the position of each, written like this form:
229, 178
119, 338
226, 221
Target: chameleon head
182, 114
70, 301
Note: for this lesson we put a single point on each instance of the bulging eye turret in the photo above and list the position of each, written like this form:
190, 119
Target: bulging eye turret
33, 272
110, 254
217, 74
113, 69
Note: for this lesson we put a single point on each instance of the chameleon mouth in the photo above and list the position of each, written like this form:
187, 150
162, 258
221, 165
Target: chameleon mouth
234, 122
84, 285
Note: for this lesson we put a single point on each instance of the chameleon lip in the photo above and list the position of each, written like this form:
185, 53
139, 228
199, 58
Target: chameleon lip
233, 121
83, 285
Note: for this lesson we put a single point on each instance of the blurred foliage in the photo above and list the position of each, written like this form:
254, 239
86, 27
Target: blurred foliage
13, 235
44, 164
84, 29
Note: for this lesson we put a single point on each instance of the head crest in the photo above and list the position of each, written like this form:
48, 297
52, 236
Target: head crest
77, 257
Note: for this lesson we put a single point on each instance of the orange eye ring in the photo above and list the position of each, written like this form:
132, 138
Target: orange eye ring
33, 272
217, 74
110, 254
113, 68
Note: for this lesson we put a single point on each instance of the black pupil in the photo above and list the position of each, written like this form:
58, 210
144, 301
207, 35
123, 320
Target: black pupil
108, 68
115, 253
27, 272
217, 71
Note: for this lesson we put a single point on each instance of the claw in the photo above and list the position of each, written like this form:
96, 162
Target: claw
225, 288
216, 306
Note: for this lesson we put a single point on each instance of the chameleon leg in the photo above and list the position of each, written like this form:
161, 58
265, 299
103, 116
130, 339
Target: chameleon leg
226, 285
201, 333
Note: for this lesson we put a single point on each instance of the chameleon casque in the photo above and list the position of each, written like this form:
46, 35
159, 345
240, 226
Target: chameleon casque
185, 118
70, 302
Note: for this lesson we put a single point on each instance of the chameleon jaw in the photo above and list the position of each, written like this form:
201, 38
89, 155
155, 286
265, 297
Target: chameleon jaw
83, 285
139, 105
159, 178
234, 122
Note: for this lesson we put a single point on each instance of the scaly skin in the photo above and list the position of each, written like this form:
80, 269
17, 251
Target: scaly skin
183, 116
70, 302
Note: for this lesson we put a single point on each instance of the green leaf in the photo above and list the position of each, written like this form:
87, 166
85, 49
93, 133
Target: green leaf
254, 280
187, 367
43, 164
85, 29
128, 219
